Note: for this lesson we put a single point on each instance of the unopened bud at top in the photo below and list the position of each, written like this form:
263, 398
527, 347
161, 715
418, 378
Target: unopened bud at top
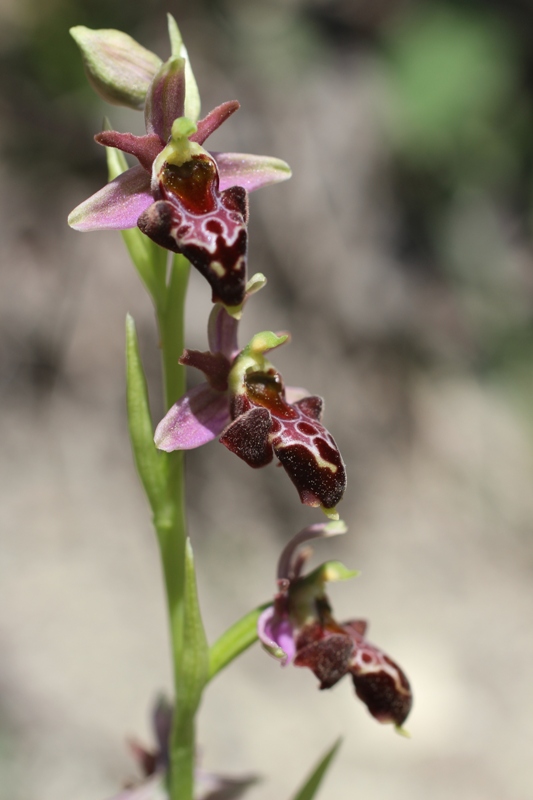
119, 68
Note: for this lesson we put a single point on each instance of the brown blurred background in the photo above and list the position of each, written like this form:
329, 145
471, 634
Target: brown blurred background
401, 258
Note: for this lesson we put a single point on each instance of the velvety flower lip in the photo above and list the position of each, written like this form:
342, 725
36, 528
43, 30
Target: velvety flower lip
265, 424
243, 400
186, 199
299, 627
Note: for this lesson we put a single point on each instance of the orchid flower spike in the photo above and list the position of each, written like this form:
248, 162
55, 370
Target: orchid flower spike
244, 401
299, 627
186, 199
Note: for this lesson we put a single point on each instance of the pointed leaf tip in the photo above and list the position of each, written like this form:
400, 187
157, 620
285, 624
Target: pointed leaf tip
194, 667
310, 787
150, 464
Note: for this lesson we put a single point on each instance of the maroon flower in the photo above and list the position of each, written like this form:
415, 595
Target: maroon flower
186, 199
154, 764
300, 627
245, 402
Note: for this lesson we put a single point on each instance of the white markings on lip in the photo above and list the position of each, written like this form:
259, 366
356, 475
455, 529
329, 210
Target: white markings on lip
183, 232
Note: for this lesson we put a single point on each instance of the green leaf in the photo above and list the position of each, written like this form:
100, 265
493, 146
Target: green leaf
148, 258
193, 667
452, 72
310, 787
241, 636
150, 463
192, 95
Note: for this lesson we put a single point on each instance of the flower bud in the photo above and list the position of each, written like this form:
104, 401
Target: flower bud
118, 68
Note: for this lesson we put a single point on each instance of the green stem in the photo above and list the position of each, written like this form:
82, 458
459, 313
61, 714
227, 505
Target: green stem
170, 521
171, 319
182, 757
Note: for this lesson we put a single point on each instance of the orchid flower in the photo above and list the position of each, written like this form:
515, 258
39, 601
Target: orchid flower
245, 403
186, 199
154, 764
299, 627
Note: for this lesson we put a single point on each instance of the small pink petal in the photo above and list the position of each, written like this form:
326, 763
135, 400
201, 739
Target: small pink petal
250, 172
214, 120
117, 206
199, 417
165, 98
145, 148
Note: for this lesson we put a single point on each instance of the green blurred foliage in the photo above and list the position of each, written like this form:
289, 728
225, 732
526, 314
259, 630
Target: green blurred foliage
461, 128
453, 74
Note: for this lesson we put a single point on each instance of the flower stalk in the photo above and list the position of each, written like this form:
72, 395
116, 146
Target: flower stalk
163, 478
163, 475
193, 203
171, 528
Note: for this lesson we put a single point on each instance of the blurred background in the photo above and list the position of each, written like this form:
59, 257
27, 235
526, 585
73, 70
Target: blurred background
400, 256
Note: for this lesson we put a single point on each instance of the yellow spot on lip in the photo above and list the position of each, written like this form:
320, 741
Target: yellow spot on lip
326, 464
322, 464
218, 268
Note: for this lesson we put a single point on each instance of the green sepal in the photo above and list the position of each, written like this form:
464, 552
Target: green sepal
310, 787
238, 638
192, 95
150, 462
193, 666
119, 69
148, 258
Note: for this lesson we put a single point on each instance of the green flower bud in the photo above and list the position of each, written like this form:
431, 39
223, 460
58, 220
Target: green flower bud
118, 68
